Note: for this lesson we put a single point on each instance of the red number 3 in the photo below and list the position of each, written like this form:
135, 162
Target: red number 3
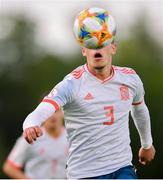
109, 114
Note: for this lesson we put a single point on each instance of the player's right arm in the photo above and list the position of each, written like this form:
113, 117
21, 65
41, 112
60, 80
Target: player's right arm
33, 121
58, 97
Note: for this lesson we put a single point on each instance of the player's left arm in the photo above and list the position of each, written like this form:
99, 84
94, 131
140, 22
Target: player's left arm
141, 117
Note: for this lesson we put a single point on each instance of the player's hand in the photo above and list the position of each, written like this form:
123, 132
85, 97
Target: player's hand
146, 155
32, 133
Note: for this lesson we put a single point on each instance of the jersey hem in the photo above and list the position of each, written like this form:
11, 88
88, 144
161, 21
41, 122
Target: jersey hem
95, 174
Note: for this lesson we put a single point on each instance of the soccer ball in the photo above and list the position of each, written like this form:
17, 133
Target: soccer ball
94, 28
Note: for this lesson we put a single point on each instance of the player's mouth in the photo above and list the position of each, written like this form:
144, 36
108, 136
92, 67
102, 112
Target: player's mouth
98, 56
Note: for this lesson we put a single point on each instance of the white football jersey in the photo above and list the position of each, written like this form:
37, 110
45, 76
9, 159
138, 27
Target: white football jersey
96, 118
44, 159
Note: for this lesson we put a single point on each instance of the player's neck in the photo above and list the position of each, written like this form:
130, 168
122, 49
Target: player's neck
101, 73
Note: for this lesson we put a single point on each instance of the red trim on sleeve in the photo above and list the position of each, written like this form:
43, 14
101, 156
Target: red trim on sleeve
138, 103
52, 102
14, 165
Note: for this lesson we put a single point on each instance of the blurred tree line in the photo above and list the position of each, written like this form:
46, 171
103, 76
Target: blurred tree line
27, 73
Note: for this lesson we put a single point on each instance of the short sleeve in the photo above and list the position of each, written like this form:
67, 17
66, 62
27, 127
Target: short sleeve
62, 93
19, 153
139, 94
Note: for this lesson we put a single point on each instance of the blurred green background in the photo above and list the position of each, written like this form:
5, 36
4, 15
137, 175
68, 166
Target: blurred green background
28, 72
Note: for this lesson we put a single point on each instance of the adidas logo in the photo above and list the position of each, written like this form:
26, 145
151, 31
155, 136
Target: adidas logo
88, 96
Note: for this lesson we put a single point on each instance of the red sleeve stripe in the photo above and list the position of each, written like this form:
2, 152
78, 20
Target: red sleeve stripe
138, 103
52, 102
14, 165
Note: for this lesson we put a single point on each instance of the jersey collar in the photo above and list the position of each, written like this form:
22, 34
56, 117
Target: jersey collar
92, 74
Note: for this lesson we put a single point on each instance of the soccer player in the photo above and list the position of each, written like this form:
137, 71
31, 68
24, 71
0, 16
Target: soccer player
45, 158
97, 98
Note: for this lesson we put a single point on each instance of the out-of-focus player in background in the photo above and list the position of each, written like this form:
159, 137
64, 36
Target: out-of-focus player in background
45, 158
97, 98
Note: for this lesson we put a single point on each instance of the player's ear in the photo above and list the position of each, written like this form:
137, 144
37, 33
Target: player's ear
114, 48
83, 51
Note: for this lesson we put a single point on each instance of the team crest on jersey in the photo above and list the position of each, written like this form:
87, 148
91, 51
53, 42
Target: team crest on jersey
124, 91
